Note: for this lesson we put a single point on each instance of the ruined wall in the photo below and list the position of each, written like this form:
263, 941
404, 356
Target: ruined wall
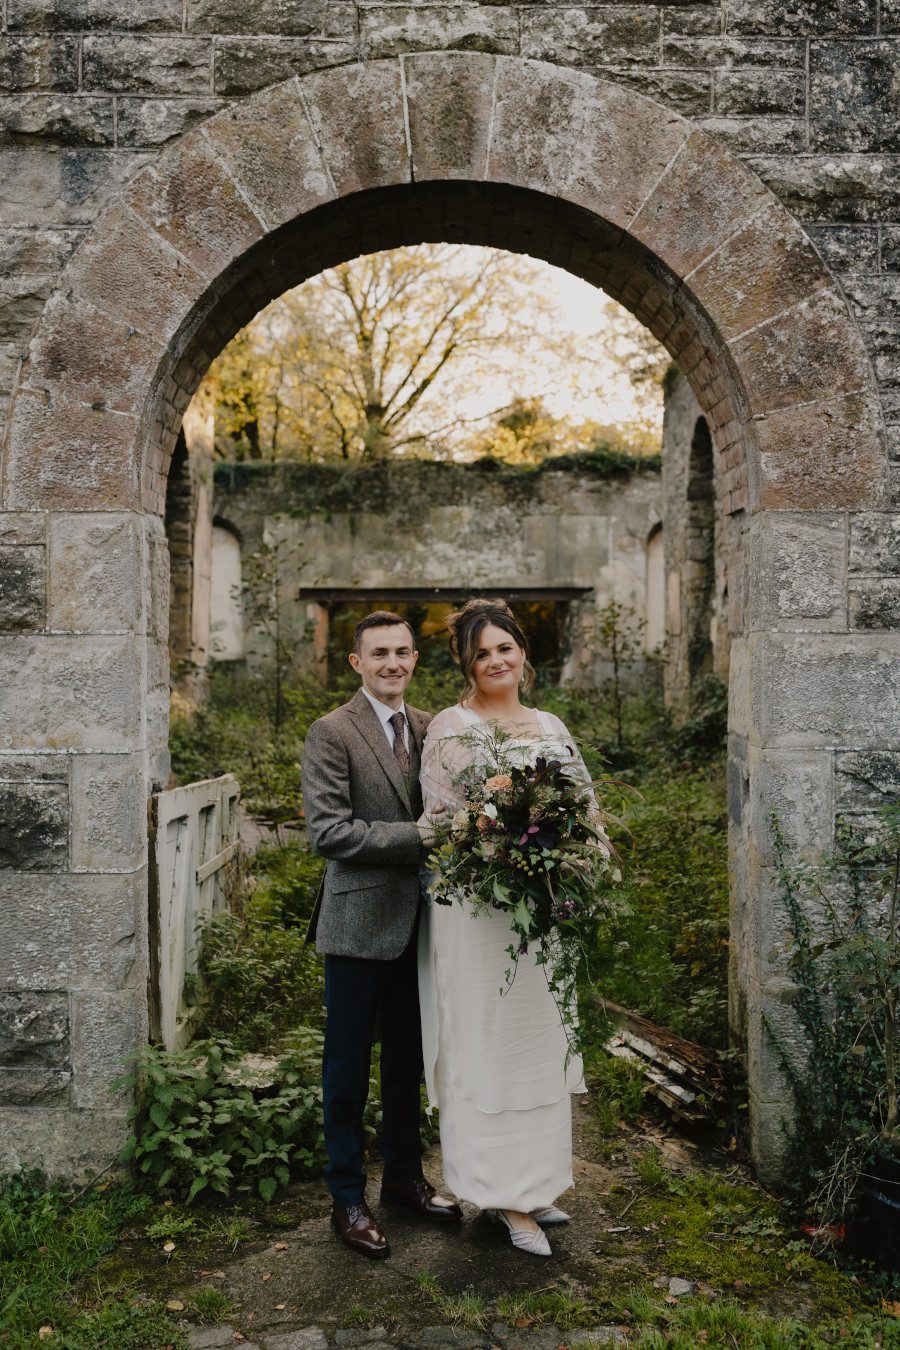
420, 524
702, 550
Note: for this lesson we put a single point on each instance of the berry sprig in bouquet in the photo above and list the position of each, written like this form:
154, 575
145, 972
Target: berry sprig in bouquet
529, 841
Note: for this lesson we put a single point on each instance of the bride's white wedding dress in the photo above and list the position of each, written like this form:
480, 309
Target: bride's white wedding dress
495, 1057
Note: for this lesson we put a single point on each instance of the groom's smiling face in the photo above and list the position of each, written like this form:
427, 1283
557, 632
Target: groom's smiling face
386, 660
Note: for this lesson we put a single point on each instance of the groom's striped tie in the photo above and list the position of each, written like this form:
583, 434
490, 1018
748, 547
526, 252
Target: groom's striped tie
398, 722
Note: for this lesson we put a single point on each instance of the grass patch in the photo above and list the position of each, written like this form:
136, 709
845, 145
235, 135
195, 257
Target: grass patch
52, 1249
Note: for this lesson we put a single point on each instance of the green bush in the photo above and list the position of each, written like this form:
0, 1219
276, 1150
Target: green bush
203, 1121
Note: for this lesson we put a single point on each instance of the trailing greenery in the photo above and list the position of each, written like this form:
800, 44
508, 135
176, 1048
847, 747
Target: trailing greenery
51, 1243
844, 957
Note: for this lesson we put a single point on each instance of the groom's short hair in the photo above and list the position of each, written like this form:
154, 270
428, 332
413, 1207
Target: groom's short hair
381, 618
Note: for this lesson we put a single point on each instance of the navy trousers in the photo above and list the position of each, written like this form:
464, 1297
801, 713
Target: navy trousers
365, 1001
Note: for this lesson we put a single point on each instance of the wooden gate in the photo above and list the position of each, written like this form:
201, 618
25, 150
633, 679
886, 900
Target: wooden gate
193, 836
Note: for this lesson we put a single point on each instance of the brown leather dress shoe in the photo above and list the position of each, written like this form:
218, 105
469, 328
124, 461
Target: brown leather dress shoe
359, 1230
421, 1197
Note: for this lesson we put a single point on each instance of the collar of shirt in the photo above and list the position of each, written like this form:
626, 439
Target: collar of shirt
384, 716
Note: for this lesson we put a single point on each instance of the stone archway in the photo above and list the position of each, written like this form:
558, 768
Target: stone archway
458, 146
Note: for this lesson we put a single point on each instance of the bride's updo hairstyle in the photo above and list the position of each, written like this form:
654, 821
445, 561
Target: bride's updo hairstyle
466, 627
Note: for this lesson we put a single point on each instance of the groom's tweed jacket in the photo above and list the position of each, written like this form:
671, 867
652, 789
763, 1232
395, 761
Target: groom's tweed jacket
361, 813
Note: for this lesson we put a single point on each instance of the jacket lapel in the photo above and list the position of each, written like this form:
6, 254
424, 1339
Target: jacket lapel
365, 719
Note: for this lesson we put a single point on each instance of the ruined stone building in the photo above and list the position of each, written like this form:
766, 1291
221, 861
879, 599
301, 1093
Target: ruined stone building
727, 169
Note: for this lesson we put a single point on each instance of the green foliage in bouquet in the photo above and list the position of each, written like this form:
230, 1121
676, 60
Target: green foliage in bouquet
529, 841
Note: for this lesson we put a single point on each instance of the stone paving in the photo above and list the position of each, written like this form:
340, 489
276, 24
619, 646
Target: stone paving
298, 1288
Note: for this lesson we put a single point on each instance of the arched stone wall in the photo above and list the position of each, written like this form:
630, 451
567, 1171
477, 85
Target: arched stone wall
492, 150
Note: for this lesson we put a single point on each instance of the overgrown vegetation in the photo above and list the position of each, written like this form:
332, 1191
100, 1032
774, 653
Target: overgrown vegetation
51, 1244
844, 956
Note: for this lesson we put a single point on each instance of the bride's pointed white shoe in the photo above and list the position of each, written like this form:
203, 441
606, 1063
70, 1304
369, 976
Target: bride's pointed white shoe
526, 1239
550, 1214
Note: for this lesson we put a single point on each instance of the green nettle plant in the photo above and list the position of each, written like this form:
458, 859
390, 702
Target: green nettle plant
203, 1121
846, 968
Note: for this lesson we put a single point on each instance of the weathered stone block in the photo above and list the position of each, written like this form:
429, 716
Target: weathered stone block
751, 135
67, 188
387, 30
834, 189
774, 18
875, 543
608, 36
56, 120
107, 1029
195, 205
687, 91
68, 692
46, 15
35, 252
151, 122
358, 116
847, 248
798, 787
269, 147
853, 101
797, 577
758, 92
23, 587
22, 301
728, 50
68, 931
890, 249
821, 455
875, 603
34, 1029
121, 64
765, 268
803, 356
739, 688
38, 63
109, 813
34, 826
811, 690
298, 18
701, 200
692, 21
108, 361
245, 64
69, 1145
49, 437
866, 780
51, 767
126, 270
33, 1086
94, 573
449, 105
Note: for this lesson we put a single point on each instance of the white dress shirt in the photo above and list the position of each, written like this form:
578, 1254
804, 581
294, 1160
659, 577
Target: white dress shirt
384, 716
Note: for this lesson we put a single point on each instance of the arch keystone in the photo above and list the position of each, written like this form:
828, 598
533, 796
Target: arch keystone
449, 97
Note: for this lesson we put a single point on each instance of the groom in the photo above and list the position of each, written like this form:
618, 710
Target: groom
361, 798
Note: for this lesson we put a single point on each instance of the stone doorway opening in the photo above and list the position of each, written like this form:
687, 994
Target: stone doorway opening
462, 148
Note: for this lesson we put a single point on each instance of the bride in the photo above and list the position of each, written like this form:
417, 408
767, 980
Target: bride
497, 1060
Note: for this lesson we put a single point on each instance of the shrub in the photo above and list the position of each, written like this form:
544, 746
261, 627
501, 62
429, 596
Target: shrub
203, 1122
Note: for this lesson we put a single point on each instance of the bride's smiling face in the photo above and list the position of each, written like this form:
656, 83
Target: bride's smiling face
499, 662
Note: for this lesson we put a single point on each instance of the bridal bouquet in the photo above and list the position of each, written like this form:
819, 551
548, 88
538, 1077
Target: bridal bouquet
529, 841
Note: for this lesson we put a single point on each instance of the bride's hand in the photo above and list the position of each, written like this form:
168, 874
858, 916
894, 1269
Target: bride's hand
425, 824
